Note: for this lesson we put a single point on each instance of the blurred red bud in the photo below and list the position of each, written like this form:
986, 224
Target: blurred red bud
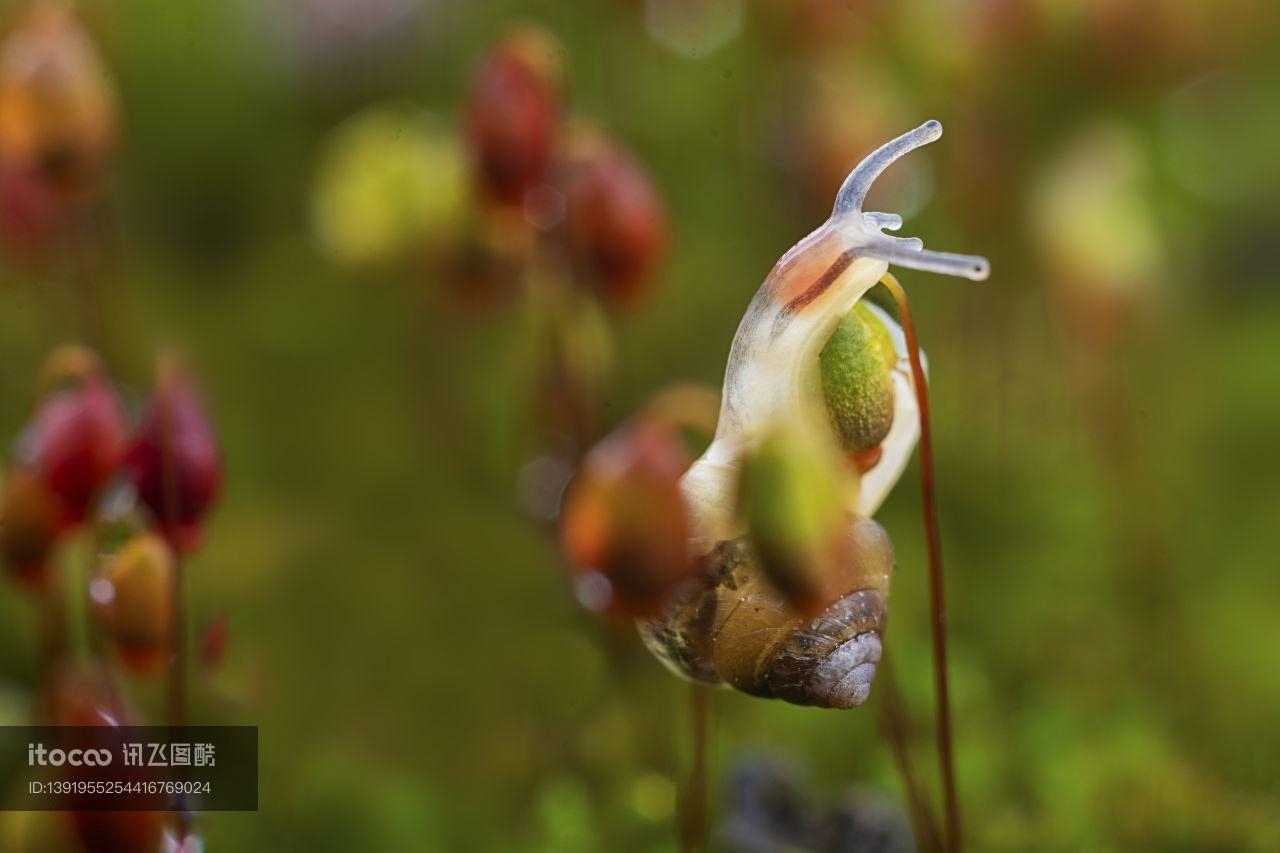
57, 106
512, 114
32, 517
131, 601
86, 696
77, 440
616, 221
624, 528
175, 462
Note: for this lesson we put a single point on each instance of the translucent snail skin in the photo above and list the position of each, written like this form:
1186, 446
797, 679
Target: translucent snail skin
732, 626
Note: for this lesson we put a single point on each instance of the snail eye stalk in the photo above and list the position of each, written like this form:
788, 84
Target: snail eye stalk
864, 231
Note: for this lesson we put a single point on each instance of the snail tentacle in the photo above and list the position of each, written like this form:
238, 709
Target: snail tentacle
895, 250
863, 232
910, 244
855, 187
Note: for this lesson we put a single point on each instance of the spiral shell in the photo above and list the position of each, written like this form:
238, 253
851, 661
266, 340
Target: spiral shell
735, 627
732, 625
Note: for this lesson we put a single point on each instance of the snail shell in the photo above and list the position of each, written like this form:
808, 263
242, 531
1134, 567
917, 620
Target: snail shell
736, 628
730, 625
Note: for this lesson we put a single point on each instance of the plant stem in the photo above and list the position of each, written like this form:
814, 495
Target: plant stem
693, 831
53, 623
88, 272
951, 807
894, 726
81, 566
176, 696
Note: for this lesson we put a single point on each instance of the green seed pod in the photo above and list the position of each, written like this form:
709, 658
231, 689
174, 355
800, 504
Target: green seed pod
793, 502
857, 362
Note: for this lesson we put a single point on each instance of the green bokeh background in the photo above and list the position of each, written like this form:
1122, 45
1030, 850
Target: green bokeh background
404, 635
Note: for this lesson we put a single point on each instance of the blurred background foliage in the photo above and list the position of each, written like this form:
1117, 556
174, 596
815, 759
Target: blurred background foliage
403, 633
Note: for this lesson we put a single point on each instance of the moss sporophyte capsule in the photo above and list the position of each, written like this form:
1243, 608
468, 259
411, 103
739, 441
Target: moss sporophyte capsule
857, 383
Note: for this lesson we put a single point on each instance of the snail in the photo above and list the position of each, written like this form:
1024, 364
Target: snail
732, 625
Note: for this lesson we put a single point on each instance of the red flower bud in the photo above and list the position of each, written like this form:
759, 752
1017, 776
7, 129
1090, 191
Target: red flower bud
617, 225
76, 441
175, 462
88, 697
512, 115
624, 528
32, 517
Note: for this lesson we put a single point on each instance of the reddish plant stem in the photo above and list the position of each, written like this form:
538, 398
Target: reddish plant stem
895, 726
693, 830
88, 271
951, 807
176, 694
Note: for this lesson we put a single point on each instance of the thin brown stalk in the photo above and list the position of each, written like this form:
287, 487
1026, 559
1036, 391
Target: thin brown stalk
951, 807
895, 726
88, 271
693, 829
53, 623
176, 694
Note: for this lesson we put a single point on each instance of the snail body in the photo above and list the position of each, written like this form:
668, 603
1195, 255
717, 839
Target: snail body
732, 625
